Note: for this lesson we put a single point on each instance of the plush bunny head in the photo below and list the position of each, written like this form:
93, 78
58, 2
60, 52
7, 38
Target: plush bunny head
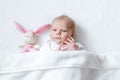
30, 36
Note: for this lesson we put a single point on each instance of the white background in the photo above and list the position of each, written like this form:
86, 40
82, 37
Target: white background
97, 21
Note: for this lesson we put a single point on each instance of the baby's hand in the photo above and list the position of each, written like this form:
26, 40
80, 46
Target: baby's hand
69, 44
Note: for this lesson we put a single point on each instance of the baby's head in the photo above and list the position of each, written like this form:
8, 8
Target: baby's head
62, 27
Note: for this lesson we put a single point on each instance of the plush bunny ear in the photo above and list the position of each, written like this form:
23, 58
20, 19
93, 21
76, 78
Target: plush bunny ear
42, 28
19, 27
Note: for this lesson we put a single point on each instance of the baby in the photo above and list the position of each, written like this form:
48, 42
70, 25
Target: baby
62, 36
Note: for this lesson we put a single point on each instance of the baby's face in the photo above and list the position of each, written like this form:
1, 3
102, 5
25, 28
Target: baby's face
59, 31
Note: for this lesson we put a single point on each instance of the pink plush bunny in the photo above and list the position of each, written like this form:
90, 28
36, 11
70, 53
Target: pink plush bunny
30, 37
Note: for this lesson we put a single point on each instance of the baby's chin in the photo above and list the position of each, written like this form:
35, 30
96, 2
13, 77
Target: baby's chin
59, 42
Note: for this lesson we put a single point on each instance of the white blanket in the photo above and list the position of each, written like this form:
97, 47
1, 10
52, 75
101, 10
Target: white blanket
72, 65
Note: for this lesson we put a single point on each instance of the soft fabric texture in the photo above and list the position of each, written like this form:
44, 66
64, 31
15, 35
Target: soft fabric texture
52, 46
67, 65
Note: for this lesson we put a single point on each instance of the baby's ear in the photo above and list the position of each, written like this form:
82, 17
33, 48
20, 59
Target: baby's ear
72, 34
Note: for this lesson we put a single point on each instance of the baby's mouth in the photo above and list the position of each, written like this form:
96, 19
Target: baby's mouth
57, 38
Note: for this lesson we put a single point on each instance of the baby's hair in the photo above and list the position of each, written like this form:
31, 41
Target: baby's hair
66, 18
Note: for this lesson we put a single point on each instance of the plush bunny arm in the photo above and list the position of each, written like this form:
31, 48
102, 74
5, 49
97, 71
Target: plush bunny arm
21, 45
19, 27
42, 28
37, 46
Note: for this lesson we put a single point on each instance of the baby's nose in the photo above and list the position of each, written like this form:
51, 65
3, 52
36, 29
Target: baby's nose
58, 32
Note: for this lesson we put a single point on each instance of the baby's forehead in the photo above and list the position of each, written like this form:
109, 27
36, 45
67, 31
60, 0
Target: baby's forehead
62, 22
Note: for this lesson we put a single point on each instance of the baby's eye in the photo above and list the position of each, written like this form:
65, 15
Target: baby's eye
53, 29
64, 31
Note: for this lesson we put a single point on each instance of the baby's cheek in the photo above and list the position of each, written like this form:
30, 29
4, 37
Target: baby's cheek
65, 38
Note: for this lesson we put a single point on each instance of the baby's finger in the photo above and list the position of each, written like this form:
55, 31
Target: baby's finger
67, 42
64, 48
69, 39
72, 39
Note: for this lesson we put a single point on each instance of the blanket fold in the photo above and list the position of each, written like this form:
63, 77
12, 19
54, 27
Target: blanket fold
67, 65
